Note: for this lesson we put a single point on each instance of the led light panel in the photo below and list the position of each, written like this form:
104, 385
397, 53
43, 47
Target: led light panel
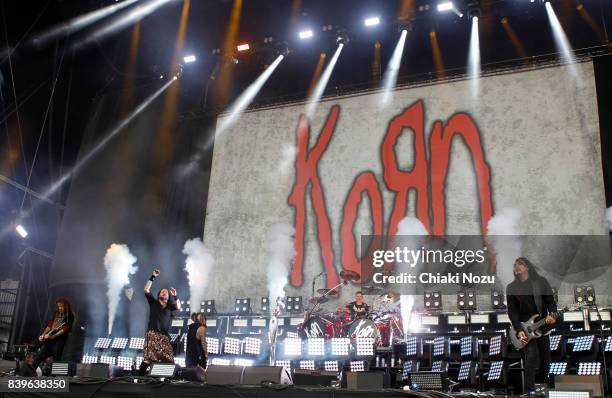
212, 344
89, 359
252, 346
103, 343
589, 368
331, 366
316, 346
495, 372
220, 361
243, 362
364, 346
125, 362
583, 343
557, 368
293, 347
495, 345
340, 346
308, 365
357, 366
231, 346
137, 343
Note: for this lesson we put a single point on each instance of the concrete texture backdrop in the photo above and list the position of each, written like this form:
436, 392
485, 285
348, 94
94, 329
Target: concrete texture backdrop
539, 130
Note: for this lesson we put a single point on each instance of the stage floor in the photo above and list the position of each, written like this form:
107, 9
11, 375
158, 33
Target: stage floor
118, 388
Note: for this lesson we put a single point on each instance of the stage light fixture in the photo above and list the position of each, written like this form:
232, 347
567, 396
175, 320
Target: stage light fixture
243, 362
357, 366
608, 347
179, 361
294, 304
138, 361
468, 346
252, 345
307, 364
231, 346
331, 366
573, 316
583, 343
481, 319
579, 294
589, 368
439, 366
589, 294
498, 300
414, 347
306, 34
327, 28
316, 346
445, 6
292, 335
107, 359
432, 300
265, 305
466, 300
557, 368
293, 347
174, 337
408, 367
342, 38
372, 21
280, 49
555, 342
503, 318
243, 47
268, 39
456, 319
467, 371
473, 10
496, 371
209, 307
220, 361
63, 369
364, 346
103, 343
119, 343
432, 381
21, 231
136, 343
285, 363
89, 359
441, 346
189, 58
495, 346
243, 306
165, 370
125, 362
556, 393
213, 345
340, 346
430, 320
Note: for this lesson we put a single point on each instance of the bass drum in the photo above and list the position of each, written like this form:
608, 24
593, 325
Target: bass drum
364, 328
317, 327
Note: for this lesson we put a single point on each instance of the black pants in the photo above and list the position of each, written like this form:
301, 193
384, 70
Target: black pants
195, 360
50, 348
536, 357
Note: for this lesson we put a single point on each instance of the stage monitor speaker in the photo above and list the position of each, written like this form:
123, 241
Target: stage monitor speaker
59, 368
580, 382
303, 377
256, 375
365, 380
6, 366
228, 375
194, 373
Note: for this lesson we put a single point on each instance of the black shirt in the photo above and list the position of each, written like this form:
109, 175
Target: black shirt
522, 298
160, 318
358, 310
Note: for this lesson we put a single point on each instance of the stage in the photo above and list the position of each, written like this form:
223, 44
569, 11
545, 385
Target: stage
125, 387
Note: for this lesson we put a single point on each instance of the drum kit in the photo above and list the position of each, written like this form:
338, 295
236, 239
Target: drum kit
383, 324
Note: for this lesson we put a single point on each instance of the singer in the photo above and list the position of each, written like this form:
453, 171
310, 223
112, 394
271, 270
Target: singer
157, 346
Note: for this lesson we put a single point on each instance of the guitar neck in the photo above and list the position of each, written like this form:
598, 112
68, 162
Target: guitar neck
542, 321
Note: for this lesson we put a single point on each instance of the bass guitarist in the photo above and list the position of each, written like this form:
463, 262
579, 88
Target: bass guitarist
530, 294
54, 336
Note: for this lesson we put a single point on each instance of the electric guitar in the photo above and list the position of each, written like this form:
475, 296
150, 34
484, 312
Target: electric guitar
532, 327
51, 332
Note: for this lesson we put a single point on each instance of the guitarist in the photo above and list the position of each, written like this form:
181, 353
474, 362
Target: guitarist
527, 295
53, 338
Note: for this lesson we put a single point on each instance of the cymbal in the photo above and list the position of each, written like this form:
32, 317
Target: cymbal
371, 289
318, 300
329, 292
389, 297
350, 276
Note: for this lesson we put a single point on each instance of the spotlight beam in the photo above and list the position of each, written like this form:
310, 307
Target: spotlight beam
245, 99
322, 83
561, 41
78, 23
474, 67
122, 21
390, 77
81, 162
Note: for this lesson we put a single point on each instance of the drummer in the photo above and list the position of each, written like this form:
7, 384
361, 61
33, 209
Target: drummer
358, 308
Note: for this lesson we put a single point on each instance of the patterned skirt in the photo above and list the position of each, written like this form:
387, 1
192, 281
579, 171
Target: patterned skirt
157, 348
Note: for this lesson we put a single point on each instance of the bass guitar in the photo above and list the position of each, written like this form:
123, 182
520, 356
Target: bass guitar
532, 328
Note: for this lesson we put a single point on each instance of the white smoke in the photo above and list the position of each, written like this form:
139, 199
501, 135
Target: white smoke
119, 265
413, 230
281, 249
504, 242
198, 264
609, 217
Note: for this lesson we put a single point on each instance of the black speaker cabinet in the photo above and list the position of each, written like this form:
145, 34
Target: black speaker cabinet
194, 373
230, 375
266, 374
366, 380
302, 377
